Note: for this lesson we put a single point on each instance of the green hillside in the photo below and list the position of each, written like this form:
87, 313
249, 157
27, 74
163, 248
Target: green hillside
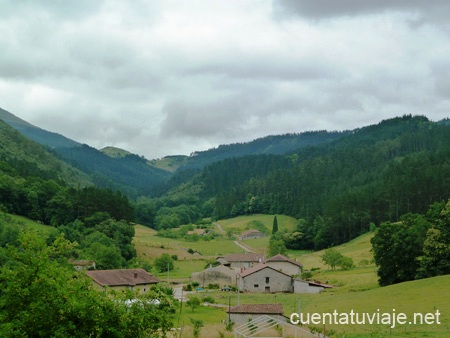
41, 136
115, 152
24, 157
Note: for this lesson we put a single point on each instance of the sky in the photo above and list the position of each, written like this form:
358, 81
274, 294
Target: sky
173, 77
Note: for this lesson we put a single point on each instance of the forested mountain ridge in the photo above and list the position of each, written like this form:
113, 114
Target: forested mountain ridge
41, 136
129, 173
338, 189
268, 145
135, 176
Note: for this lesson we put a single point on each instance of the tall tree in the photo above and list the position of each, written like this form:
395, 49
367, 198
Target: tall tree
275, 225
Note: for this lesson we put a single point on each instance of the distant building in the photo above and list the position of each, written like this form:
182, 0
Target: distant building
245, 312
263, 278
135, 279
239, 262
285, 264
251, 234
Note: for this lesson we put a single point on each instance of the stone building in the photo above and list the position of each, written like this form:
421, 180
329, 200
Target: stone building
263, 278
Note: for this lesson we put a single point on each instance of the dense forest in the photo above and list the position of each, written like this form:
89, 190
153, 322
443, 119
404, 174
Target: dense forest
338, 189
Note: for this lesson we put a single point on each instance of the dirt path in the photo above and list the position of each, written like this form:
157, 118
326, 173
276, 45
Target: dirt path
243, 246
220, 228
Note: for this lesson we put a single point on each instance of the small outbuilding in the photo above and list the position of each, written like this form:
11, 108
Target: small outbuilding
303, 286
251, 234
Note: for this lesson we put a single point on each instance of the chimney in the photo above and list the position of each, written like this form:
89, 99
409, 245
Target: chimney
135, 275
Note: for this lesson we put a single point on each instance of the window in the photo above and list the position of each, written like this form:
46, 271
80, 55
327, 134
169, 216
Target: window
256, 285
267, 280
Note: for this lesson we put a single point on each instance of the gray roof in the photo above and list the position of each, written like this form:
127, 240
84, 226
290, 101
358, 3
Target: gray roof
281, 258
258, 309
122, 277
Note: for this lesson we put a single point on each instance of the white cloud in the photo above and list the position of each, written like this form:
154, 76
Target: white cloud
167, 77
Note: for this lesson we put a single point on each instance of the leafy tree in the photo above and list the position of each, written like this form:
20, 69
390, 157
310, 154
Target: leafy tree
197, 325
193, 303
164, 263
42, 295
396, 248
276, 245
435, 260
346, 263
275, 225
332, 257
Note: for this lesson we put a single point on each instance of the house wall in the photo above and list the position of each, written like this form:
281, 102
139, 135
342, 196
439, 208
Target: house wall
304, 287
257, 282
252, 236
140, 288
239, 266
286, 267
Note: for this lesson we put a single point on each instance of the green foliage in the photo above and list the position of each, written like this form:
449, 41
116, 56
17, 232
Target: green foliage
276, 245
397, 246
197, 325
193, 303
42, 295
164, 263
331, 257
275, 225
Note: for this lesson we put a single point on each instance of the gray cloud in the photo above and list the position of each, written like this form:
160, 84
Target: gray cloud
320, 9
159, 77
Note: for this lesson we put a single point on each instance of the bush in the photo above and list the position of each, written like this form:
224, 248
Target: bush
213, 286
208, 299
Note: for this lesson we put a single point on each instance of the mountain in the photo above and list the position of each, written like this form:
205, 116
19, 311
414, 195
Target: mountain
370, 175
119, 169
126, 172
269, 145
41, 136
23, 157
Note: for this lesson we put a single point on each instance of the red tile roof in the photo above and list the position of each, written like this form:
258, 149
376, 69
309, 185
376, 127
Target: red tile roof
257, 309
281, 258
122, 277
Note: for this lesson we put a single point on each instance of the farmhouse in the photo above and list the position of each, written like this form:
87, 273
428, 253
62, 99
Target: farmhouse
238, 262
119, 279
285, 264
263, 278
245, 312
251, 234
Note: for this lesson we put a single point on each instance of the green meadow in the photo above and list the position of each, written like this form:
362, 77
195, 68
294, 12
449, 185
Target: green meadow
356, 289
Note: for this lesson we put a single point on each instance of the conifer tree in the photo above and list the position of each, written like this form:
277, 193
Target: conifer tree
275, 225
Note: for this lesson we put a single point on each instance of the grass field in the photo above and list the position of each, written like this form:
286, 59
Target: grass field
356, 289
240, 223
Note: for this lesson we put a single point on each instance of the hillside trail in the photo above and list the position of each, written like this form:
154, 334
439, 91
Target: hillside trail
243, 246
239, 244
220, 228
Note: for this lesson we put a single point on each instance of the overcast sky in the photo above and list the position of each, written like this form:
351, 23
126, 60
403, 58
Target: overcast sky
172, 77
